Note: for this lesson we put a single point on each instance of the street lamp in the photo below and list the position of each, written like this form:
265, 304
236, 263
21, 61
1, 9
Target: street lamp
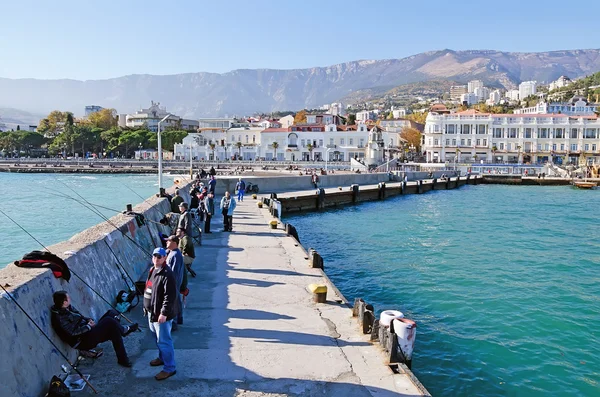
160, 153
327, 158
140, 151
191, 165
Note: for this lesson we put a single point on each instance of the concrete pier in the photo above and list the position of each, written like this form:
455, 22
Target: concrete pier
251, 328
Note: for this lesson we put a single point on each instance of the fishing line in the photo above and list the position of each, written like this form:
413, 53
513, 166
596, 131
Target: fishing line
48, 338
72, 272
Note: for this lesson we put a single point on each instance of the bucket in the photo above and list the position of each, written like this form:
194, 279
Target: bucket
387, 316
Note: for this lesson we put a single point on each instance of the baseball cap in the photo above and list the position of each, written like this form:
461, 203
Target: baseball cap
159, 251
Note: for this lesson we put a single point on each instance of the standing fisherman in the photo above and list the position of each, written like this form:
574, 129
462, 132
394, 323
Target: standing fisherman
175, 262
209, 210
160, 306
176, 201
241, 188
187, 249
227, 206
185, 219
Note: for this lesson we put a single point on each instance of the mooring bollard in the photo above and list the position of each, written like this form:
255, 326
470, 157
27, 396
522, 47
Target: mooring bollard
447, 183
403, 187
291, 231
354, 188
273, 224
381, 190
420, 186
433, 183
406, 333
315, 260
319, 292
129, 208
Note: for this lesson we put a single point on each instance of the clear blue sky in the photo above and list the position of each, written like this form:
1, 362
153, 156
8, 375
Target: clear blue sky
102, 39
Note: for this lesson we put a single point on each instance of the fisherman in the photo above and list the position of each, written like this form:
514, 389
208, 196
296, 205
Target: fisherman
185, 219
84, 333
176, 201
241, 188
212, 171
175, 262
160, 306
227, 206
186, 246
209, 211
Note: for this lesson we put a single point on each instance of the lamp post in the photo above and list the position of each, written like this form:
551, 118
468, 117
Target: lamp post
327, 158
191, 165
160, 154
140, 151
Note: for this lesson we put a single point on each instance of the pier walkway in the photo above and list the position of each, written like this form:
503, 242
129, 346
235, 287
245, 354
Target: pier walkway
251, 328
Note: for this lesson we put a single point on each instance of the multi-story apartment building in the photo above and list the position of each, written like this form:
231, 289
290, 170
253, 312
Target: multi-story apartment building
469, 98
562, 81
529, 138
512, 95
457, 90
150, 117
473, 84
527, 88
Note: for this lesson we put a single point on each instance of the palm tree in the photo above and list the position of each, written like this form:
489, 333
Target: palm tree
212, 147
275, 146
310, 148
239, 146
494, 150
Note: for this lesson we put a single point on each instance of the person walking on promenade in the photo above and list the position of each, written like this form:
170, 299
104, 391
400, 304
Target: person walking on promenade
83, 333
186, 246
176, 201
185, 219
209, 211
160, 306
241, 188
227, 206
175, 262
212, 184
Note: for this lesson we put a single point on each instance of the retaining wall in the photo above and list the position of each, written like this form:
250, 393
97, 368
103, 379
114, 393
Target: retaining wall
28, 359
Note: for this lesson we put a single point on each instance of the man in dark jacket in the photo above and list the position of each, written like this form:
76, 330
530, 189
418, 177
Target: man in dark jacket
175, 201
83, 333
209, 211
160, 306
185, 219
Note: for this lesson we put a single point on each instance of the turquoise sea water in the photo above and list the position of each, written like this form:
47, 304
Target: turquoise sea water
503, 281
31, 200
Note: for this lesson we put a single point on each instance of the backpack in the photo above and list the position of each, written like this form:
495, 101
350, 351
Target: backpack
58, 388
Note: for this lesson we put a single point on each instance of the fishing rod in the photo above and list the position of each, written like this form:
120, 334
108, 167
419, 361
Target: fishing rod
48, 338
72, 272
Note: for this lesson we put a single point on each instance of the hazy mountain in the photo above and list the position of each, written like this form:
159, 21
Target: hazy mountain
13, 117
246, 91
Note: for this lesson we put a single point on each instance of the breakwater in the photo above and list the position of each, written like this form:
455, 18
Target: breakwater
343, 195
29, 360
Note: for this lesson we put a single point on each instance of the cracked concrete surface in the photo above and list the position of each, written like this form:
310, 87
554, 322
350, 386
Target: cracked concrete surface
251, 328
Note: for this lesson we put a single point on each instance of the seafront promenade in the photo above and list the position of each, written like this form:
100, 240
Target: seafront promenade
251, 328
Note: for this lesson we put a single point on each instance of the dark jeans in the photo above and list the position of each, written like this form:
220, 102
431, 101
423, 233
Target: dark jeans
227, 221
207, 223
107, 328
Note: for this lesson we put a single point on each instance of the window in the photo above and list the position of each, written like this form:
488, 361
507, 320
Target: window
573, 133
351, 141
436, 142
508, 146
362, 142
342, 141
497, 133
562, 146
447, 142
239, 138
320, 143
481, 129
466, 129
586, 146
512, 132
543, 133
573, 147
454, 142
546, 147
560, 133
590, 133
303, 142
485, 142
527, 133
246, 138
253, 138
478, 142
554, 146
539, 146
468, 142
462, 142
501, 147
450, 129
331, 141
594, 147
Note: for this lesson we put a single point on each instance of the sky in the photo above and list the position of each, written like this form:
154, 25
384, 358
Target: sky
103, 39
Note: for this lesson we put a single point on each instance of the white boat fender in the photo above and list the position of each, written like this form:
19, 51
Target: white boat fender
406, 331
386, 317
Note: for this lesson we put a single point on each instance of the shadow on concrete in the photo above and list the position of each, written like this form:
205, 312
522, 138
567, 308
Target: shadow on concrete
275, 272
205, 347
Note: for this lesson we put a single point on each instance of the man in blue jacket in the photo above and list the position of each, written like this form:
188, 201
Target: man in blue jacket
175, 263
227, 206
241, 188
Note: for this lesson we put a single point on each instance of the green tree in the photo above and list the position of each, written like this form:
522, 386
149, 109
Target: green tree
239, 145
212, 147
53, 124
351, 119
412, 137
104, 119
300, 117
310, 149
171, 137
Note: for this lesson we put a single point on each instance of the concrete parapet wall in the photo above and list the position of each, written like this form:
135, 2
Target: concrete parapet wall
277, 184
28, 359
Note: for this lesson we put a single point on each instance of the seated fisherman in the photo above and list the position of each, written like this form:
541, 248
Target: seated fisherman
83, 333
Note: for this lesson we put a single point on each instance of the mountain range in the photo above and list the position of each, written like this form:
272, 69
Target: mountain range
245, 91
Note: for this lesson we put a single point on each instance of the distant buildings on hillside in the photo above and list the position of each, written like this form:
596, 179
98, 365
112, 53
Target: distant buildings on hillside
151, 116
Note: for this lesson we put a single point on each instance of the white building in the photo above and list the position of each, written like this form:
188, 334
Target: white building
562, 81
365, 115
483, 93
513, 95
577, 106
469, 98
149, 118
92, 109
398, 112
474, 136
474, 84
223, 123
527, 88
337, 109
494, 98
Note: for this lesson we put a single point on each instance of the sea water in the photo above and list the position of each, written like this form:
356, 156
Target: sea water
37, 203
503, 282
